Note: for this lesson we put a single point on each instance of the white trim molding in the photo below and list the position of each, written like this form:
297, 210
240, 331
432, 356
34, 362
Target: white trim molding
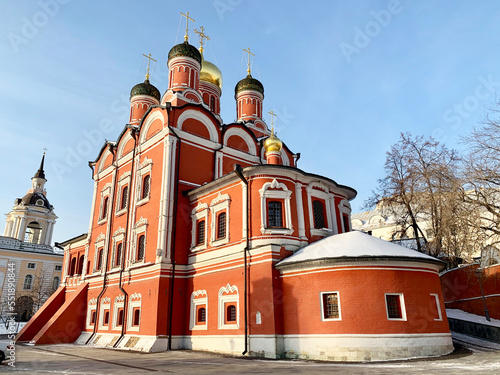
228, 294
198, 299
271, 190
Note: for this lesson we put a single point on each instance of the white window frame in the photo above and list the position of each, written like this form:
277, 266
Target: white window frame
144, 169
99, 243
135, 301
438, 306
31, 268
106, 192
105, 305
324, 196
140, 228
200, 212
323, 318
122, 182
285, 195
345, 208
401, 303
118, 304
218, 205
32, 281
198, 298
223, 300
91, 306
118, 237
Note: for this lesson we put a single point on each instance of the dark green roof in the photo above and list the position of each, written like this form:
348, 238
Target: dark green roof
145, 88
185, 49
249, 83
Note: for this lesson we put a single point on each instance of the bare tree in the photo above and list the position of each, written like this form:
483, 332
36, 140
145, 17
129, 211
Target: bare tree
482, 174
421, 190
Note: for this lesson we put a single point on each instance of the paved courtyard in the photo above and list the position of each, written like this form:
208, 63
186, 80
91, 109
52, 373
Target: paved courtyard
76, 360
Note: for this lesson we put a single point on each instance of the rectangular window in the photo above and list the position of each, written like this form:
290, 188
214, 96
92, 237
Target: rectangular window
200, 232
319, 214
330, 306
230, 313
92, 316
106, 317
221, 226
435, 307
275, 214
31, 266
201, 315
395, 307
58, 268
136, 317
141, 247
345, 220
120, 317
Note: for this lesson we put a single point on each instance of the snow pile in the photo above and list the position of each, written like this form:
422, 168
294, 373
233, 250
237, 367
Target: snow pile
353, 245
462, 315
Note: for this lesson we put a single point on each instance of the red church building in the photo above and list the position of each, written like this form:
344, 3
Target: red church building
207, 236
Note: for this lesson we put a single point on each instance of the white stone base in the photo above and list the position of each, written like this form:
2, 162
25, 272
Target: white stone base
128, 342
366, 348
345, 348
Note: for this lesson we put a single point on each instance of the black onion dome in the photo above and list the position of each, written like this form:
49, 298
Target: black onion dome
185, 49
249, 83
145, 88
35, 199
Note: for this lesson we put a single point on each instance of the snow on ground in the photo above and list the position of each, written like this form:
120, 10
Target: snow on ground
462, 315
10, 330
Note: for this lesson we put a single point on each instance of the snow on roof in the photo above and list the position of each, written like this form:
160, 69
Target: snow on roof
353, 245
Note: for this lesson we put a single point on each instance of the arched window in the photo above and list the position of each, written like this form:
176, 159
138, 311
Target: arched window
123, 203
275, 214
120, 317
319, 214
118, 259
221, 225
28, 282
55, 283
141, 245
80, 265
146, 181
73, 266
231, 313
202, 315
105, 208
99, 259
200, 232
212, 103
33, 232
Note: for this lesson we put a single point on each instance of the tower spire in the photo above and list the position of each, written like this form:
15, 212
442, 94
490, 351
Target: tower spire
202, 37
40, 173
149, 60
186, 37
249, 53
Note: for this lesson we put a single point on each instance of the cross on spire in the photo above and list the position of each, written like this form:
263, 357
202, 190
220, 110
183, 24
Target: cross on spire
273, 115
202, 36
150, 58
186, 37
249, 53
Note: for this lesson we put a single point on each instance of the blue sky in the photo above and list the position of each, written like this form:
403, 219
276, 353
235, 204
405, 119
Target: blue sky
345, 77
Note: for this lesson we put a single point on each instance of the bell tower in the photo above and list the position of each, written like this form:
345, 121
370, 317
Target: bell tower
32, 218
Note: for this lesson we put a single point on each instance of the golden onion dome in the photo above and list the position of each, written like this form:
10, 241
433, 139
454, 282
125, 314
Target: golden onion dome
273, 143
210, 73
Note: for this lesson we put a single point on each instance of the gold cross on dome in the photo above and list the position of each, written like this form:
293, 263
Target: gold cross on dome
273, 115
150, 58
249, 53
186, 37
202, 37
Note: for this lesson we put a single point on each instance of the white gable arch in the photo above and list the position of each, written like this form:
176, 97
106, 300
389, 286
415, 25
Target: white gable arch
244, 135
147, 123
214, 137
122, 144
104, 156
